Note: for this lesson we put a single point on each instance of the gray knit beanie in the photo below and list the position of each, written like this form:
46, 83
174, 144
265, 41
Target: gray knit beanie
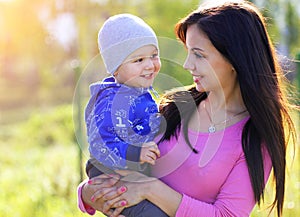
121, 35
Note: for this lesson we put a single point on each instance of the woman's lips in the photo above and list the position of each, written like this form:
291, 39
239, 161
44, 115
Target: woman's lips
197, 79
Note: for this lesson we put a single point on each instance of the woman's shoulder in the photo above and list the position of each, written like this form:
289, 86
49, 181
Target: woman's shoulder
234, 134
237, 127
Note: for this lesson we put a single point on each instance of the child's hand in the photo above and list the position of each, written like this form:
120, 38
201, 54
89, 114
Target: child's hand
149, 153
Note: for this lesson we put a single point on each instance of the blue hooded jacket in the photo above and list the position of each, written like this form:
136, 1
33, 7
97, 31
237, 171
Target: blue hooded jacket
119, 119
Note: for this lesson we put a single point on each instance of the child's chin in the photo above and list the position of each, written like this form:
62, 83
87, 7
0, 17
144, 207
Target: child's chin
146, 84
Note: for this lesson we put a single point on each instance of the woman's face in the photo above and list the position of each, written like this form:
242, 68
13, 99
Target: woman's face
210, 70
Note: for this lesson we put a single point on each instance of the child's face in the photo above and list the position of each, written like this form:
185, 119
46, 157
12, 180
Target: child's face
140, 68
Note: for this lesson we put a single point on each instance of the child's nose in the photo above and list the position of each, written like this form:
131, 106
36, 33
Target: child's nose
149, 63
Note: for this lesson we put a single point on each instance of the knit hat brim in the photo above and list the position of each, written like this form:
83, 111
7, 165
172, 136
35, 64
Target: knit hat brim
114, 55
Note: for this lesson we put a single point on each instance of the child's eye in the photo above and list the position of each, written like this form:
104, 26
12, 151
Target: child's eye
154, 56
139, 60
143, 58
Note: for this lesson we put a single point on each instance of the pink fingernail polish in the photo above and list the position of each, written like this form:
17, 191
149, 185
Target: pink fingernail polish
92, 198
90, 182
123, 203
123, 189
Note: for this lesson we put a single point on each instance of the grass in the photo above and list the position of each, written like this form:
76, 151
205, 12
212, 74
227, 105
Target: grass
39, 169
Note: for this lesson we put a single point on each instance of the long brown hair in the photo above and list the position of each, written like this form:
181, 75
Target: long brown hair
238, 32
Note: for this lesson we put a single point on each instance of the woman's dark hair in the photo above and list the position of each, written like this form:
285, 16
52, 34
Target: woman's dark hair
238, 32
176, 106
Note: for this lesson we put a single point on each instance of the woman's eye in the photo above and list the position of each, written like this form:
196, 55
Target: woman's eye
198, 55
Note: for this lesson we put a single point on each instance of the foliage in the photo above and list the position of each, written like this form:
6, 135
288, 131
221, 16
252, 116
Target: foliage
53, 127
293, 22
39, 166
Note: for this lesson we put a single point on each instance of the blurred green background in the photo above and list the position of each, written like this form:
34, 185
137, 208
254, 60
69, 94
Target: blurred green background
48, 57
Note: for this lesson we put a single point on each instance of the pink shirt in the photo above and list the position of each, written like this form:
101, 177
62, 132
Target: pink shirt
214, 182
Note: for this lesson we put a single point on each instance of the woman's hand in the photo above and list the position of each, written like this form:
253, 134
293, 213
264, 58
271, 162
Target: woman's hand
100, 186
132, 190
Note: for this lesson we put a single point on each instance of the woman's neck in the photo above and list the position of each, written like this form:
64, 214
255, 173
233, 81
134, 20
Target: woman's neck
226, 101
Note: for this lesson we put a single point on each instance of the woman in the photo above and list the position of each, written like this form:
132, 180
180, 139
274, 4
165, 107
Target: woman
222, 150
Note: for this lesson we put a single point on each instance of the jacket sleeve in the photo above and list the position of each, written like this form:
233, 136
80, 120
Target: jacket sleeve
113, 128
144, 123
235, 198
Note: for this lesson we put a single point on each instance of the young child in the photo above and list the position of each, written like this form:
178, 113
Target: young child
121, 116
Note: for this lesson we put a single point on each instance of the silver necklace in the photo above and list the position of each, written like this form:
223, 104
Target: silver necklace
212, 127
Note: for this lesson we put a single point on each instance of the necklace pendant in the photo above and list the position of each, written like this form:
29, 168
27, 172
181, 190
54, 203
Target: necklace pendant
212, 129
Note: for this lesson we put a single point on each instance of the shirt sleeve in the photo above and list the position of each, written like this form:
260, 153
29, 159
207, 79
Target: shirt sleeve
85, 208
236, 197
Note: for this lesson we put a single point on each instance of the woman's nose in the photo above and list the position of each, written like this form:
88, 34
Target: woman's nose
187, 65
